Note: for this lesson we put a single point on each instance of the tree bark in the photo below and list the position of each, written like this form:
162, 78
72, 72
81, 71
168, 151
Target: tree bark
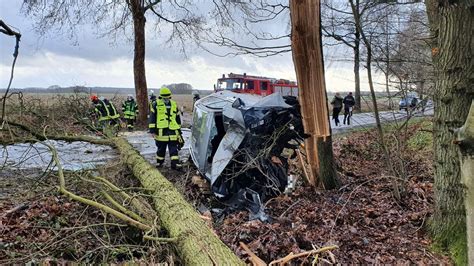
308, 61
197, 244
465, 140
139, 74
357, 61
452, 27
327, 170
357, 96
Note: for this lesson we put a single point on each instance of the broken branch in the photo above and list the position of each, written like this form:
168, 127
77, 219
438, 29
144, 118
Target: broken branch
292, 256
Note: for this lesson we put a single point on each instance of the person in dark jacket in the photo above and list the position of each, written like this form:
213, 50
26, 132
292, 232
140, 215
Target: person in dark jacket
349, 103
106, 112
336, 107
130, 111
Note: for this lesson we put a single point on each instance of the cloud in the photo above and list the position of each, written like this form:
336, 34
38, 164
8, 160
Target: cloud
56, 60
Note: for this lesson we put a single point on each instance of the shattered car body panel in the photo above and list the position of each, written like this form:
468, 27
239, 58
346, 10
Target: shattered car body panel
238, 141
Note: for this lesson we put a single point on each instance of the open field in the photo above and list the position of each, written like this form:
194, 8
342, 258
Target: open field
186, 100
50, 98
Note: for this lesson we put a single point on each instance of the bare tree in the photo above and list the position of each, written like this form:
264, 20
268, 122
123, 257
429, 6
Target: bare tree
402, 52
340, 19
180, 19
252, 30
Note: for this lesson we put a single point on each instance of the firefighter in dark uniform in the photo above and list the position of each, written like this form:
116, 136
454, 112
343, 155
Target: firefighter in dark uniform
106, 112
165, 125
130, 111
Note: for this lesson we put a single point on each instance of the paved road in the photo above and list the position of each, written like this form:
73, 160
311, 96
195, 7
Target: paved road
80, 155
367, 120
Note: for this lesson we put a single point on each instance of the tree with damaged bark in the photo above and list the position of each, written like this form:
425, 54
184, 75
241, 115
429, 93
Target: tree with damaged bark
452, 28
309, 66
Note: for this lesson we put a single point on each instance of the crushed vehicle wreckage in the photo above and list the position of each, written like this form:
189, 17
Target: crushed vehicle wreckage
240, 144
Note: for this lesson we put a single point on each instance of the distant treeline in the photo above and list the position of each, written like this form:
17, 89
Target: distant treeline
176, 88
366, 93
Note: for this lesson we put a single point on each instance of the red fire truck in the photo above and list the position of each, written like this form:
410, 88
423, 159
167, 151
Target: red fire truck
256, 85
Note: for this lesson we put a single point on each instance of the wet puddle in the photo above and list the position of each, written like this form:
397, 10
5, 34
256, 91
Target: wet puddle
145, 143
79, 155
75, 155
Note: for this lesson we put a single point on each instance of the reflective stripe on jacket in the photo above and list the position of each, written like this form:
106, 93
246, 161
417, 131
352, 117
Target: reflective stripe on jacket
165, 122
106, 110
130, 109
165, 134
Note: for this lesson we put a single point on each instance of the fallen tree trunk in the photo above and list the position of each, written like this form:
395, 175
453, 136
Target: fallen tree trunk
197, 244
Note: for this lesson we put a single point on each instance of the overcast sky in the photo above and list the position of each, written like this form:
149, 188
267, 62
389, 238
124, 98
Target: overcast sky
93, 61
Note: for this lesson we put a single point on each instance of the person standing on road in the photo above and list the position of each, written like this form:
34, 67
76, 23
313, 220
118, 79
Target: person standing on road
130, 111
336, 107
349, 103
165, 125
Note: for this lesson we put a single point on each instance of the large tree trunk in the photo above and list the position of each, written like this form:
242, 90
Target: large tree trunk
452, 27
465, 139
197, 243
139, 74
308, 60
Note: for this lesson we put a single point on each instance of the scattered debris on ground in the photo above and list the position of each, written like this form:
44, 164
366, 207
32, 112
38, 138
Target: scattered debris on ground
362, 218
38, 224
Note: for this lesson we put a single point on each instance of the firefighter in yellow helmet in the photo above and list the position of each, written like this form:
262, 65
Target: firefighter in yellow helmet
165, 125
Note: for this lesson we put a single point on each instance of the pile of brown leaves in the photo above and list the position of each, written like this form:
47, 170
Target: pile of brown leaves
362, 217
37, 224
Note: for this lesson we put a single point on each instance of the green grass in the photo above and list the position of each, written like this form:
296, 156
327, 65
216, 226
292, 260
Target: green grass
421, 140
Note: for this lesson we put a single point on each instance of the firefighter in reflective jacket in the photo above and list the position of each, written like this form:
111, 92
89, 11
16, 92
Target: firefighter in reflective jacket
165, 125
130, 111
105, 111
151, 101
